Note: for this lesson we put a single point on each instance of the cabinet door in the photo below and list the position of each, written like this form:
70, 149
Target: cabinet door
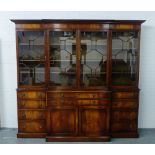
124, 58
124, 120
62, 121
94, 120
93, 58
31, 58
62, 58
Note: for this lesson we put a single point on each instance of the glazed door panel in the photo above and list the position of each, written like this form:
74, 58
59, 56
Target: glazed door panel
31, 58
124, 58
94, 120
93, 56
62, 52
63, 121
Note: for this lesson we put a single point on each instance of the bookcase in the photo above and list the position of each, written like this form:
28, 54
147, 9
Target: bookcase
78, 79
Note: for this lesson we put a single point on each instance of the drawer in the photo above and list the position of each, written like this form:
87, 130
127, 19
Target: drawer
31, 95
124, 116
125, 103
92, 95
31, 114
124, 126
31, 104
60, 95
61, 102
32, 126
125, 95
93, 102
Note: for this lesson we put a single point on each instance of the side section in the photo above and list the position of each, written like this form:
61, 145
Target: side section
31, 114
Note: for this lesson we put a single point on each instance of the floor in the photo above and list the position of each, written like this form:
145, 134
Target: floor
8, 136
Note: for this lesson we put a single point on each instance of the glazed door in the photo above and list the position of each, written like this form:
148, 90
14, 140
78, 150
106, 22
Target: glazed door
93, 58
125, 46
62, 56
31, 58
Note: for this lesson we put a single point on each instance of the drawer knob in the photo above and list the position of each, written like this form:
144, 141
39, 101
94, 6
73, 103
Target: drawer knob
40, 127
40, 95
24, 116
23, 95
40, 105
94, 96
41, 115
62, 95
23, 104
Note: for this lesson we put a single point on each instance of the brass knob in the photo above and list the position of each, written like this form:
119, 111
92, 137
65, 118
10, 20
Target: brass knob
40, 104
40, 95
41, 115
40, 127
94, 96
24, 116
94, 102
23, 95
62, 95
23, 104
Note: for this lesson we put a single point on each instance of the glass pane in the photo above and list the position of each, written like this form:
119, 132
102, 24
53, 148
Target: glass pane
62, 58
124, 58
31, 58
93, 58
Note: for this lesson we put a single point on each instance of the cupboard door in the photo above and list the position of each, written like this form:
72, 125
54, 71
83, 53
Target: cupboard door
62, 58
31, 58
124, 58
94, 120
124, 120
93, 58
63, 121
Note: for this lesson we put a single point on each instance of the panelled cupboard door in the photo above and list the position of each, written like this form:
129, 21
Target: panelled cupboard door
63, 121
94, 121
124, 120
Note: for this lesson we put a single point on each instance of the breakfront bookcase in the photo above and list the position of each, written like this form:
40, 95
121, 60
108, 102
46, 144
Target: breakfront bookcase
78, 79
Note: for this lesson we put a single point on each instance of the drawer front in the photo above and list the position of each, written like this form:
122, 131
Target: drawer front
93, 102
31, 114
125, 104
31, 95
30, 104
78, 102
61, 95
124, 126
32, 126
125, 95
92, 95
61, 102
78, 95
122, 116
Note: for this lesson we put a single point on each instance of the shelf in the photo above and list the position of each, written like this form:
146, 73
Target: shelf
31, 60
122, 73
59, 60
23, 72
25, 44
